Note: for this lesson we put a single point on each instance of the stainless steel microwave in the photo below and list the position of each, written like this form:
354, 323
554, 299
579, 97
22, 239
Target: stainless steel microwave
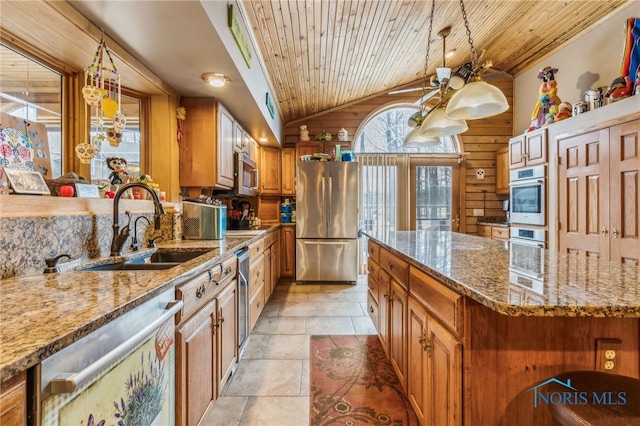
528, 194
246, 175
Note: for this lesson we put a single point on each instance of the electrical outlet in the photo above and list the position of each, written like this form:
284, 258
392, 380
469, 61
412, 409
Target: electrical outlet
608, 354
478, 212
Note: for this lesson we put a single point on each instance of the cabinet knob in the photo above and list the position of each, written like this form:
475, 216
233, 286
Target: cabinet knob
390, 265
200, 291
371, 309
604, 231
614, 232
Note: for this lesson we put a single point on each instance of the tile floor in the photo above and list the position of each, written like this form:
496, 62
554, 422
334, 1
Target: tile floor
270, 387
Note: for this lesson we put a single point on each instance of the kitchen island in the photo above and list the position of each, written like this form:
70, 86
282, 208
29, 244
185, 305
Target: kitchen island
472, 325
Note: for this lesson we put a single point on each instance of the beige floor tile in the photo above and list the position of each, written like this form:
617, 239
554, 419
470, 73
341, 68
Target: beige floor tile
227, 411
304, 383
363, 325
327, 297
329, 325
289, 297
271, 309
279, 325
256, 346
354, 296
287, 347
276, 411
341, 309
330, 288
266, 377
299, 309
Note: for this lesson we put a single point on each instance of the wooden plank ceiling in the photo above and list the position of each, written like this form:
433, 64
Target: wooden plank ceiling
321, 54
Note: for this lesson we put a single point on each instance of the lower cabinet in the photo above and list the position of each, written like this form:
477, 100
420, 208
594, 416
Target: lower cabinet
206, 340
384, 279
398, 331
435, 374
288, 251
13, 401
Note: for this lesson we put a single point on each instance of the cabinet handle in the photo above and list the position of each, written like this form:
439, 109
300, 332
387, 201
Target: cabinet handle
425, 342
371, 309
200, 291
258, 304
604, 231
386, 296
258, 273
614, 232
390, 265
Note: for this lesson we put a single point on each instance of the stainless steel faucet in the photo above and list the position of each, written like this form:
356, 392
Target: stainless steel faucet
119, 238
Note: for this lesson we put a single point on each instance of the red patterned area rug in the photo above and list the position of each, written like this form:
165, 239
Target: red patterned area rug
353, 383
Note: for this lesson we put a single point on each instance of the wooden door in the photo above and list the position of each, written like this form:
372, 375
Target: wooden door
226, 146
517, 152
288, 251
384, 280
624, 193
398, 331
227, 331
502, 171
269, 171
536, 147
417, 357
583, 199
288, 171
444, 377
195, 366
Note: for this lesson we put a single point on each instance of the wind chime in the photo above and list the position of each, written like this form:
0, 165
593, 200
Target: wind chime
102, 95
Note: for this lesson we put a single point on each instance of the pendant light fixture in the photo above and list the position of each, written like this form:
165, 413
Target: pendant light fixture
415, 140
477, 99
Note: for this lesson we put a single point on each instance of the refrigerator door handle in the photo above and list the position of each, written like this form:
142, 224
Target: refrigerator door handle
324, 204
325, 243
330, 207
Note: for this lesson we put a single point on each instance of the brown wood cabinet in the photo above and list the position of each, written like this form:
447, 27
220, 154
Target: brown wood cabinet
528, 149
502, 171
398, 298
206, 340
272, 262
493, 232
13, 401
288, 171
288, 251
206, 152
269, 171
598, 190
256, 280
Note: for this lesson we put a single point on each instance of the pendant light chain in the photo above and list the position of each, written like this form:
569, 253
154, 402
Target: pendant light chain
474, 55
426, 61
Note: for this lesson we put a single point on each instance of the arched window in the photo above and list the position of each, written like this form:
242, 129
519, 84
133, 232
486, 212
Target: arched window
385, 130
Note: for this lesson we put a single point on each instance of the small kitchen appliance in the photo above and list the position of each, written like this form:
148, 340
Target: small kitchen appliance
202, 221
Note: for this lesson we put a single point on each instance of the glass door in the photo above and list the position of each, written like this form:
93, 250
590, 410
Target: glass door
435, 198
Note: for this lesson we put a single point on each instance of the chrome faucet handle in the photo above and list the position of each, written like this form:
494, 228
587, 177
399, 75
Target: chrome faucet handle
52, 263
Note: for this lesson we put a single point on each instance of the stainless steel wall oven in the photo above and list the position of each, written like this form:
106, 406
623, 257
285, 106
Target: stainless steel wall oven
528, 196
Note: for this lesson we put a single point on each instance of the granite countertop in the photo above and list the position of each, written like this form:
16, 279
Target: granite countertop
43, 313
520, 280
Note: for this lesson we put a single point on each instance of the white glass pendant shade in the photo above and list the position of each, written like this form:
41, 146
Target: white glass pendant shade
478, 99
415, 140
437, 124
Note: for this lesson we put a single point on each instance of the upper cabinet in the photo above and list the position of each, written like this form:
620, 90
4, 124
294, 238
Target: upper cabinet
528, 149
206, 152
502, 171
269, 171
288, 171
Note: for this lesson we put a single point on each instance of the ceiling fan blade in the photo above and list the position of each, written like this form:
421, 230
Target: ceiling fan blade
412, 89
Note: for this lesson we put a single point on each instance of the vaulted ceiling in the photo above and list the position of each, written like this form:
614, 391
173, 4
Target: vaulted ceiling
322, 54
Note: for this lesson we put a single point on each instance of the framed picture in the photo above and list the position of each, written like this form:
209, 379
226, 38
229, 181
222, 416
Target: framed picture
26, 182
85, 190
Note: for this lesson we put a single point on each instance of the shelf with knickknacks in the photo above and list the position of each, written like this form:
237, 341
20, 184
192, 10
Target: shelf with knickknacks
102, 93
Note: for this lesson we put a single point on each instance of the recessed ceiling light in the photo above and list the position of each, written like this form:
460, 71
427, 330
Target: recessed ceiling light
263, 139
216, 79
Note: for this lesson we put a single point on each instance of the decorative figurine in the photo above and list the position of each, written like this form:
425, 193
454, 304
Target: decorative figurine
343, 135
620, 88
304, 133
118, 167
564, 111
324, 136
547, 106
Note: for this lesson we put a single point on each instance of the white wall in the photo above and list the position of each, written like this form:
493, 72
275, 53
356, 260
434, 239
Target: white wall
593, 60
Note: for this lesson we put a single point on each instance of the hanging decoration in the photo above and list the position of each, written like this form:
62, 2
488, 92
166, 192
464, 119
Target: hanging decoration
103, 101
181, 115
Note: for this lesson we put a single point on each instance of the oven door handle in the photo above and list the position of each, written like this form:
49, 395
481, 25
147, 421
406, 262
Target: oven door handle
526, 182
69, 382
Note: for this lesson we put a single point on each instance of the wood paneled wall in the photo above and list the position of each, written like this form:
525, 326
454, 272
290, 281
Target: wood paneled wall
481, 141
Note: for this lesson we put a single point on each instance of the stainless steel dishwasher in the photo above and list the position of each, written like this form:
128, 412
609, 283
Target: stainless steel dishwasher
243, 299
121, 374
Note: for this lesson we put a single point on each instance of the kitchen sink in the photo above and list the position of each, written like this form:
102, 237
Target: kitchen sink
157, 261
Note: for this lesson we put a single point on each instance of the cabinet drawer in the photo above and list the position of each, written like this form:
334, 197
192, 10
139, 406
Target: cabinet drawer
397, 268
196, 293
373, 250
256, 249
257, 304
498, 233
373, 268
374, 287
372, 310
224, 271
256, 273
445, 304
483, 231
271, 238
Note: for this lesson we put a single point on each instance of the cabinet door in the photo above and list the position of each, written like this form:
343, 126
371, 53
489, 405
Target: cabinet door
624, 200
196, 366
227, 331
483, 231
13, 401
444, 377
517, 152
417, 357
288, 250
268, 285
270, 171
226, 146
536, 147
238, 137
398, 331
308, 148
288, 171
384, 280
502, 171
275, 266
583, 202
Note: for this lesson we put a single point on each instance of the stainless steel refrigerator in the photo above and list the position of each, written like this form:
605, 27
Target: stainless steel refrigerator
326, 221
